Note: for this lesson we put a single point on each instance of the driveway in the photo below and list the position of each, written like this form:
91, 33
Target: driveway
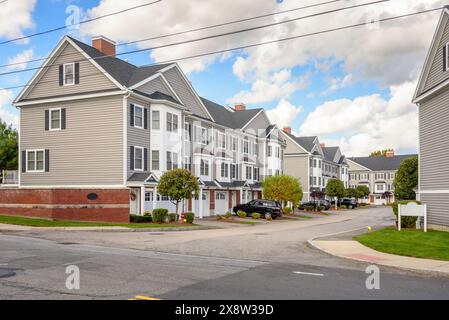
263, 261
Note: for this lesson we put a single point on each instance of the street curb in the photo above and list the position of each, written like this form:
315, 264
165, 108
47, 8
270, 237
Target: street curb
421, 271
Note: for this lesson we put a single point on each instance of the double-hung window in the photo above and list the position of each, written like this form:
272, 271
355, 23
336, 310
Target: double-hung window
138, 158
204, 167
249, 173
69, 74
172, 122
155, 160
234, 143
245, 146
221, 141
233, 171
224, 170
172, 160
269, 152
155, 120
188, 163
138, 116
35, 161
55, 119
188, 131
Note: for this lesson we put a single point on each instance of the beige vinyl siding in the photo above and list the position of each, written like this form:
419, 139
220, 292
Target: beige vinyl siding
176, 81
298, 167
434, 141
87, 152
155, 85
437, 208
91, 78
436, 74
136, 136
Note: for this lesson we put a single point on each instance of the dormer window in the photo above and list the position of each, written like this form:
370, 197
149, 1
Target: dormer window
69, 74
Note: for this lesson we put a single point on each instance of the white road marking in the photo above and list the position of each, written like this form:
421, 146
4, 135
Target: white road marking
309, 274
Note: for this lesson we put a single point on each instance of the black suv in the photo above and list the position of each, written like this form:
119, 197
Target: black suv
322, 203
264, 207
351, 204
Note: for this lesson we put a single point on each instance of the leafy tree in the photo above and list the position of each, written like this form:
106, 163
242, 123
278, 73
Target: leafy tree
351, 193
362, 191
8, 147
406, 179
380, 153
317, 194
178, 184
282, 188
335, 188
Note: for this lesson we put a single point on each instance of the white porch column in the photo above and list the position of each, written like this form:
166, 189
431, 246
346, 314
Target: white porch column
200, 205
154, 198
142, 200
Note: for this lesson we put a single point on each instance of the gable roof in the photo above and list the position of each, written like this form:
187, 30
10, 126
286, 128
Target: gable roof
329, 153
123, 72
382, 163
229, 118
158, 96
308, 143
419, 93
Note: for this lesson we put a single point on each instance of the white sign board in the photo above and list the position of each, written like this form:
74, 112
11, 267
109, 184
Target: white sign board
412, 209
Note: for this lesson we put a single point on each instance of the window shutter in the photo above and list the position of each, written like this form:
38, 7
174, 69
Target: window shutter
145, 118
61, 75
131, 115
77, 73
445, 58
145, 159
47, 160
131, 158
24, 161
47, 120
63, 121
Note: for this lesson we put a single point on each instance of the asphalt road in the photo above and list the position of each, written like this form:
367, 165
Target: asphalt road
265, 262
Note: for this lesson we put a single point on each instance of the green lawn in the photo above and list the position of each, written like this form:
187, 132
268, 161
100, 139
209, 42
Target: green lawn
35, 222
408, 242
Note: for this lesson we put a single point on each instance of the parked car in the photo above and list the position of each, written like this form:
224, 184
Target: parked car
350, 203
264, 207
322, 203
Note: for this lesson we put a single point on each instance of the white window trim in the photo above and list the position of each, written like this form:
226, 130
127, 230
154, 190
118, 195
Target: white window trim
208, 167
201, 136
63, 74
158, 120
143, 118
50, 122
158, 160
187, 133
35, 160
143, 159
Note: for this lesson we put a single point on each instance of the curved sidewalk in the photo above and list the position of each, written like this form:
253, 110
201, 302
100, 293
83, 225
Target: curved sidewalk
354, 250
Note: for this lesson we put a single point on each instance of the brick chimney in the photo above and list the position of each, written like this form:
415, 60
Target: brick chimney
389, 154
104, 45
288, 130
322, 145
240, 107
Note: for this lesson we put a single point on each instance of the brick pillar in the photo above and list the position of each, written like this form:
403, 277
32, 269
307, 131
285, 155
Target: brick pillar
212, 200
230, 199
237, 197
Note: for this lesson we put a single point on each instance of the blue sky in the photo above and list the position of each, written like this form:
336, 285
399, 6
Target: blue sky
318, 68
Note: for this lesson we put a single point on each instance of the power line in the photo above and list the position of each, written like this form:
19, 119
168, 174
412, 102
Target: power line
191, 30
268, 42
211, 36
82, 22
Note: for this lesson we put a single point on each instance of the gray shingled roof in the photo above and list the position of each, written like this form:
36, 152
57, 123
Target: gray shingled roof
306, 142
125, 73
234, 120
158, 96
329, 153
382, 163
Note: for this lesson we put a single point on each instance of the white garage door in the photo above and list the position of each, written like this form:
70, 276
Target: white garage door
221, 202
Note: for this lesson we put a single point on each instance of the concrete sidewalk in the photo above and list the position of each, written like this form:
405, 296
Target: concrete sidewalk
354, 250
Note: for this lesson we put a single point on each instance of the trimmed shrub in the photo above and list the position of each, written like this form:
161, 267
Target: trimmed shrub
189, 216
133, 218
242, 214
287, 210
309, 207
228, 215
256, 216
160, 215
147, 214
343, 206
319, 208
406, 222
172, 217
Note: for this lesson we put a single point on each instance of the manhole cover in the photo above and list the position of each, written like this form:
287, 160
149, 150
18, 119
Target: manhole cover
6, 273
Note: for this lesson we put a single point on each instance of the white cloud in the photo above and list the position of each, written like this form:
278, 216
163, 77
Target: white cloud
15, 16
279, 85
284, 114
6, 97
338, 83
367, 123
19, 61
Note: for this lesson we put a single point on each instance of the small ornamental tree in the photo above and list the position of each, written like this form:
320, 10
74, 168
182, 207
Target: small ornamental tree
406, 179
351, 193
282, 188
335, 188
178, 184
362, 191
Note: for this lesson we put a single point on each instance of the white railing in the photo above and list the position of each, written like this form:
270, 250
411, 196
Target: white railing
10, 177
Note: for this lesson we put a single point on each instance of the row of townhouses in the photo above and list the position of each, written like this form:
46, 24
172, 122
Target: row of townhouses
103, 131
